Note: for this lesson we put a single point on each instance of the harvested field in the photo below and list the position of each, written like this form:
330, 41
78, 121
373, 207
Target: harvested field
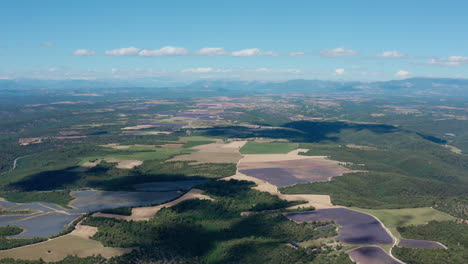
356, 228
128, 161
453, 149
155, 133
412, 243
212, 153
128, 164
293, 155
76, 243
146, 213
171, 145
361, 147
136, 147
318, 201
235, 144
138, 127
121, 164
372, 255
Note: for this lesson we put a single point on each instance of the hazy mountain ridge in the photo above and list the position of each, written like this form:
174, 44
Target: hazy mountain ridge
425, 86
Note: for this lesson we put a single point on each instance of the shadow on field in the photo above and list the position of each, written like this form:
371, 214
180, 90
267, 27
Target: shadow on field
300, 131
309, 131
47, 180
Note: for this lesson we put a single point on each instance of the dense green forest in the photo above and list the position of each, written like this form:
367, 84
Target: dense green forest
396, 175
398, 144
453, 235
214, 231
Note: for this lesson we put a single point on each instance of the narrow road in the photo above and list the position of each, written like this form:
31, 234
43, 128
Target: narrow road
15, 163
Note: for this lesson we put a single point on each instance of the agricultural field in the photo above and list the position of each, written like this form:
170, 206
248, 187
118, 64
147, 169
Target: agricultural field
253, 147
355, 227
77, 243
201, 179
393, 218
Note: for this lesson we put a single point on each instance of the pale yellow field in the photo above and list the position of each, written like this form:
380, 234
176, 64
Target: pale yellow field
76, 243
319, 201
121, 164
213, 153
138, 127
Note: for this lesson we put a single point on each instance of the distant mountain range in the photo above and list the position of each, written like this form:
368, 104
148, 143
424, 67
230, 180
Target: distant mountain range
422, 86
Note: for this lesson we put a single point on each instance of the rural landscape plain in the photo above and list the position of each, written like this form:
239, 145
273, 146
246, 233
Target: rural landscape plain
117, 175
226, 132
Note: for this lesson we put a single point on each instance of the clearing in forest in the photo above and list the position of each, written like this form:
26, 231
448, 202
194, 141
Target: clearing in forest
129, 161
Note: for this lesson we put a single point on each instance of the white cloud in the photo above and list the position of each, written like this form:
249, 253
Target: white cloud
340, 71
338, 52
402, 73
448, 61
165, 51
253, 52
130, 51
211, 52
206, 70
268, 70
297, 54
83, 52
393, 54
47, 44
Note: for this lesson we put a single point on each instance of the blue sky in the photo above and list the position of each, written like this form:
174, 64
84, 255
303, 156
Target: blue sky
262, 40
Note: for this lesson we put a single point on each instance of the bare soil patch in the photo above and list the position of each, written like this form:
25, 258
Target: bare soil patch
213, 153
453, 149
316, 200
138, 127
354, 146
84, 231
128, 164
157, 133
121, 164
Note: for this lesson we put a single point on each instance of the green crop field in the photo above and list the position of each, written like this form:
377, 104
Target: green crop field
267, 148
407, 216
